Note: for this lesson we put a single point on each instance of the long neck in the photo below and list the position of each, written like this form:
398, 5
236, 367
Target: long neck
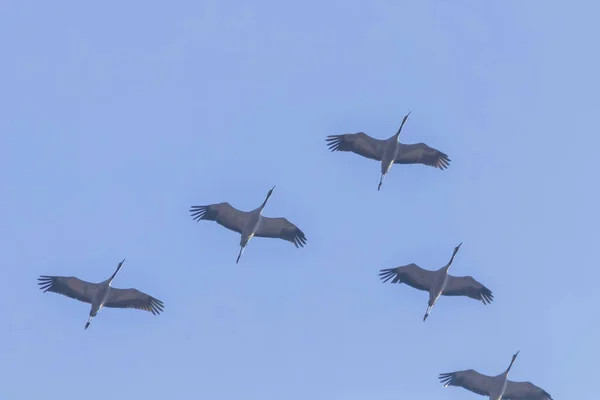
447, 267
510, 366
115, 274
401, 125
399, 130
265, 202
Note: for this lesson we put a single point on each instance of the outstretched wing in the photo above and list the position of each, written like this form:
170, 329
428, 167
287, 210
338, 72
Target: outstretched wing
467, 286
411, 274
281, 228
420, 153
68, 286
524, 391
468, 379
359, 143
133, 298
223, 213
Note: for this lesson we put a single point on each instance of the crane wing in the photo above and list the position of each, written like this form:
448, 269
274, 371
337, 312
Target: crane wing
223, 213
133, 298
359, 143
68, 286
468, 379
524, 391
281, 228
467, 286
411, 274
420, 153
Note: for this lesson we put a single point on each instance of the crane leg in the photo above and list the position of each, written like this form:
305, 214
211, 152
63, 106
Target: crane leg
87, 324
239, 255
380, 182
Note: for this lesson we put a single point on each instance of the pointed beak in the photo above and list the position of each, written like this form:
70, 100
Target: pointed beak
405, 118
516, 354
273, 188
460, 244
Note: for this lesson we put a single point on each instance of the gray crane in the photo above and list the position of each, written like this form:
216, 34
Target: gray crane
388, 151
495, 387
438, 282
250, 223
100, 294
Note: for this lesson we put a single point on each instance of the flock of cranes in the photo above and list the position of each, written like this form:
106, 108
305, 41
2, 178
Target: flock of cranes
252, 223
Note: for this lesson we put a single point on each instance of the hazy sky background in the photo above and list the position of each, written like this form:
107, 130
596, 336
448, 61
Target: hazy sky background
118, 116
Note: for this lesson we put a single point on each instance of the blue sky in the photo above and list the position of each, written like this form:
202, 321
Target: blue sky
118, 116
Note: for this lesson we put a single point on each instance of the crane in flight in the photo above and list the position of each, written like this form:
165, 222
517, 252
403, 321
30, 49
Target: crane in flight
437, 282
101, 294
495, 387
388, 151
250, 223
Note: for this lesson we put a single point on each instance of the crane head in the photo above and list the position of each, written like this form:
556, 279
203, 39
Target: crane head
270, 192
457, 247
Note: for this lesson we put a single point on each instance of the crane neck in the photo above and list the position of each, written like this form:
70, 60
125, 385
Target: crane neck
452, 258
510, 365
397, 134
264, 203
401, 125
115, 273
447, 267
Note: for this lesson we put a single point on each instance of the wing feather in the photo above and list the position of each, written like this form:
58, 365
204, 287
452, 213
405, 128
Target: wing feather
468, 379
467, 286
410, 274
420, 153
133, 298
524, 391
359, 143
281, 228
223, 213
68, 286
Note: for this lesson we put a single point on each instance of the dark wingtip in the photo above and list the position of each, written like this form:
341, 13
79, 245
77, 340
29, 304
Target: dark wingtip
486, 296
333, 142
198, 212
443, 162
300, 238
445, 378
45, 282
386, 274
156, 306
